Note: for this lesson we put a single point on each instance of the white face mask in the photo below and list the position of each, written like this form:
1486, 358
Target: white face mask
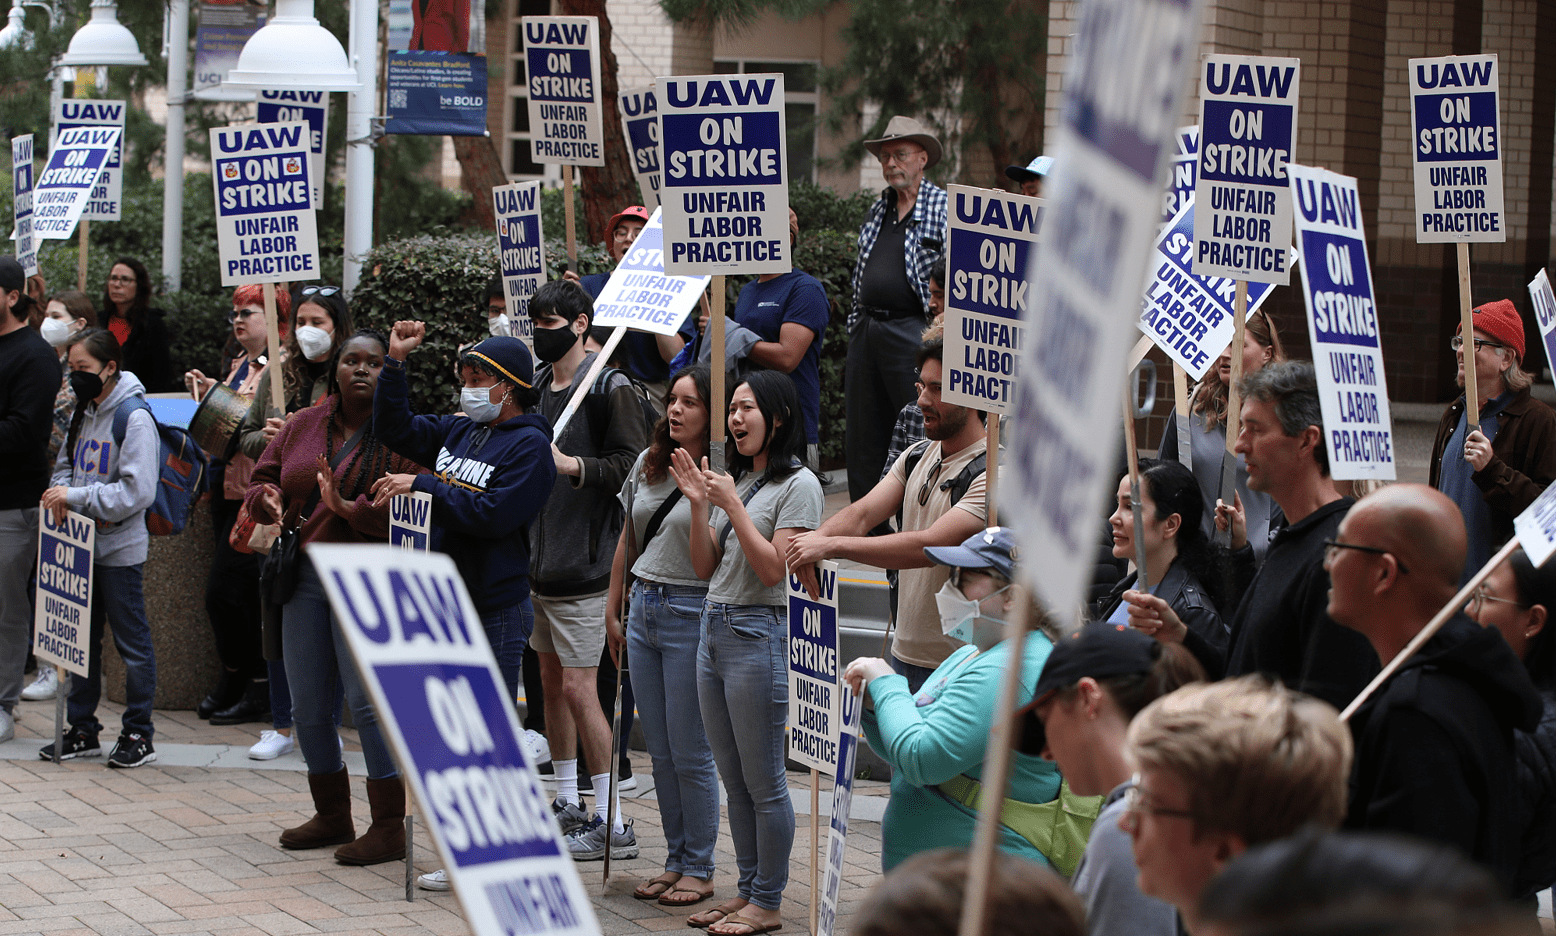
499, 326
959, 614
314, 341
477, 404
55, 331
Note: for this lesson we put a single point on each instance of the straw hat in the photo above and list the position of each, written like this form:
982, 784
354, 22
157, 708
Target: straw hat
906, 128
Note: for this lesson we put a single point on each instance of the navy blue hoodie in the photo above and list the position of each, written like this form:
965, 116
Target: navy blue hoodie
489, 482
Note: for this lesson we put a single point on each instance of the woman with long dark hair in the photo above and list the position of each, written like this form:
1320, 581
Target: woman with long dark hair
1177, 558
140, 329
315, 331
107, 471
740, 530
317, 475
662, 636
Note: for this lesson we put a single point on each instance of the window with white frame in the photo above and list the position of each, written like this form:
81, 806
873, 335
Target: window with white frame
800, 100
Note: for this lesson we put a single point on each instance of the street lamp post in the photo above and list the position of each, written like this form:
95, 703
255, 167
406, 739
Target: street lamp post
173, 151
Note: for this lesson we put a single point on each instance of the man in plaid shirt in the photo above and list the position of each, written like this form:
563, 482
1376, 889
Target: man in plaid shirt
900, 241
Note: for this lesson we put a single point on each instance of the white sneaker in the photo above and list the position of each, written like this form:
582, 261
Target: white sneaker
433, 880
538, 747
44, 687
271, 745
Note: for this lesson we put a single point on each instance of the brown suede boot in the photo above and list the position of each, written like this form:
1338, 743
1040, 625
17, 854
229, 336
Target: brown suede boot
331, 824
384, 840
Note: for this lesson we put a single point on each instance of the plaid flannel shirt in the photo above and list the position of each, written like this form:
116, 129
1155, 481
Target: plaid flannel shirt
927, 223
908, 430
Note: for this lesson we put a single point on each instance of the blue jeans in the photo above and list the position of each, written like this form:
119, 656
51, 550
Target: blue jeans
117, 598
663, 629
508, 632
743, 685
319, 666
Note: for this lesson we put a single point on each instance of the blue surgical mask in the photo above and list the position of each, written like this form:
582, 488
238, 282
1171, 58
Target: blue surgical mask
477, 404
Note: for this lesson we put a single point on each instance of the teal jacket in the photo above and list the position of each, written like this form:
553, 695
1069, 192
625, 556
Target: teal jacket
942, 732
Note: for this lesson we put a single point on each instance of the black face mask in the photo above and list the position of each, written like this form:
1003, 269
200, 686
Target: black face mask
552, 344
86, 385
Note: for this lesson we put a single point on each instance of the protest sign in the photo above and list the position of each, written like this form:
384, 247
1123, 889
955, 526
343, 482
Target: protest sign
813, 671
21, 204
1456, 136
726, 174
640, 295
566, 120
520, 251
1545, 314
410, 520
105, 201
436, 93
311, 107
988, 257
640, 125
417, 640
1535, 528
1342, 322
225, 27
1188, 316
1180, 185
1247, 133
842, 801
265, 226
68, 181
63, 612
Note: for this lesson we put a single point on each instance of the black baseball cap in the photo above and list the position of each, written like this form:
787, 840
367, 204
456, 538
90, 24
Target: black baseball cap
12, 277
1098, 650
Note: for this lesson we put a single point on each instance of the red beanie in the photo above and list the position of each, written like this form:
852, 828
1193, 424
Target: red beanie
1501, 321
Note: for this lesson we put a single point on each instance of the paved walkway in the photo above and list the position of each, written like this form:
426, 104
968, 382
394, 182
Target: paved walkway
188, 845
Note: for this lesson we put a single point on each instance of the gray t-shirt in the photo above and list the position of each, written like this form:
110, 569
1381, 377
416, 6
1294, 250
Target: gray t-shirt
668, 559
793, 503
1106, 881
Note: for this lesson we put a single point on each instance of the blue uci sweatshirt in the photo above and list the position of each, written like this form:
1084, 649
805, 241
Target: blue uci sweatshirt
490, 481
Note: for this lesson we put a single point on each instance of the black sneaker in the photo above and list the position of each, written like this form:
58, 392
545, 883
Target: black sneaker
132, 750
77, 744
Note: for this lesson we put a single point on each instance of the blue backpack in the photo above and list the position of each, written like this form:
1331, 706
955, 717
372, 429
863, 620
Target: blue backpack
181, 471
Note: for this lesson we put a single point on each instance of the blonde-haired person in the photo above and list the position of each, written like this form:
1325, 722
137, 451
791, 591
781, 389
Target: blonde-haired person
1223, 767
923, 896
1207, 435
1496, 470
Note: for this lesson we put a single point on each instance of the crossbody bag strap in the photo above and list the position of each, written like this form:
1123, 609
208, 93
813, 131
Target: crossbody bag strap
340, 457
658, 519
744, 501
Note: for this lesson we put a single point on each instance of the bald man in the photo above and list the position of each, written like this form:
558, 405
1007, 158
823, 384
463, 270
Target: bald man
1434, 744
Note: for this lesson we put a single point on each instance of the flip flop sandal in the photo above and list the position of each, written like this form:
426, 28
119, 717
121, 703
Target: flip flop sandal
753, 928
723, 915
665, 887
700, 897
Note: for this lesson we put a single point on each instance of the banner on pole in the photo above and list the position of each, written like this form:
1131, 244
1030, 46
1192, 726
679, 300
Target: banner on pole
1545, 314
68, 181
842, 801
640, 295
1190, 317
1342, 322
312, 108
1247, 134
1456, 137
417, 640
1180, 186
265, 226
21, 204
225, 28
106, 200
410, 521
640, 125
436, 93
1102, 211
988, 259
520, 252
722, 142
814, 685
62, 617
562, 62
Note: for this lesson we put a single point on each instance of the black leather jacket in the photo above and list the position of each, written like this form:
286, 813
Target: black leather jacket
1208, 634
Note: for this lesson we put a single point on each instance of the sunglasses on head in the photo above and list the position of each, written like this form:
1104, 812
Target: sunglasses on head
325, 291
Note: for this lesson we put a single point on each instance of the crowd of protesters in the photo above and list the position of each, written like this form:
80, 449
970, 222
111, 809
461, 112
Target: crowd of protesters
1180, 763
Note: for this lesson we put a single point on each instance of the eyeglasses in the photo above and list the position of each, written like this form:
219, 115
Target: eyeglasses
234, 314
1135, 802
900, 157
325, 291
1332, 546
1457, 343
929, 482
122, 280
1477, 602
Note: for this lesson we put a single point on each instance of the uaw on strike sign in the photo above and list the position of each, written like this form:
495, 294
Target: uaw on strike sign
639, 295
562, 58
66, 184
419, 645
1456, 130
265, 227
63, 615
991, 238
814, 687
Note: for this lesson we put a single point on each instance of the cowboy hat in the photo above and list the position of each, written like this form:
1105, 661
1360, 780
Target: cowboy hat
906, 128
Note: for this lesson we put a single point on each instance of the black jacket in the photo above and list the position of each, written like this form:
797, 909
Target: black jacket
1536, 753
1282, 626
1434, 747
147, 355
1183, 593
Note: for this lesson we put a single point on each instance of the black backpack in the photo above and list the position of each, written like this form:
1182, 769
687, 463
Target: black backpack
957, 485
597, 402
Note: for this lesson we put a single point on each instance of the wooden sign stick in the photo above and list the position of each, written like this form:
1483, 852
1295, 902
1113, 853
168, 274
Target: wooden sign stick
1467, 332
81, 250
991, 471
1180, 401
1234, 407
718, 412
567, 212
273, 348
815, 851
